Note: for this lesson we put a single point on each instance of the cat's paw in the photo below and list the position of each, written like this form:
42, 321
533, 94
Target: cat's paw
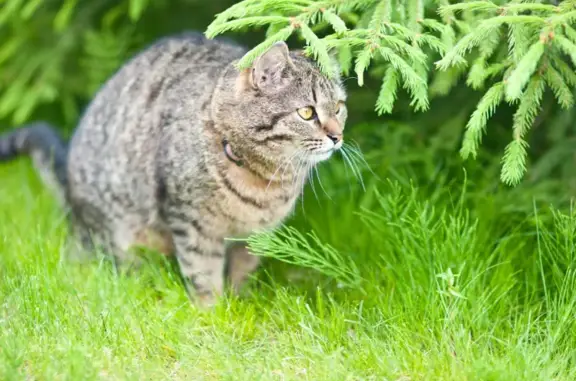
206, 301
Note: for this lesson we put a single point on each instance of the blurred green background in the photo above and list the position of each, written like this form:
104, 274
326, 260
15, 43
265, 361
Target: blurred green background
55, 54
436, 271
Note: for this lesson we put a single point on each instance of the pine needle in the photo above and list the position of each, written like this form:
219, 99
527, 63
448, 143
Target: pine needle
387, 95
523, 71
477, 123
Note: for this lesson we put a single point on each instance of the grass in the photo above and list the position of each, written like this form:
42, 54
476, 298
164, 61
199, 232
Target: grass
451, 278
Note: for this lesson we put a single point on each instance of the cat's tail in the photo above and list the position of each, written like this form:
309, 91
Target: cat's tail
47, 149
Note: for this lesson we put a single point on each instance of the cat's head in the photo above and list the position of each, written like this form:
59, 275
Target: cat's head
283, 106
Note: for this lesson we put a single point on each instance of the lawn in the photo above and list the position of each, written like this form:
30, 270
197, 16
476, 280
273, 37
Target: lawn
429, 272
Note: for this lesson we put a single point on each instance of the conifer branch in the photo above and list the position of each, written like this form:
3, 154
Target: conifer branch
541, 52
387, 94
382, 41
515, 48
524, 69
500, 47
477, 123
514, 161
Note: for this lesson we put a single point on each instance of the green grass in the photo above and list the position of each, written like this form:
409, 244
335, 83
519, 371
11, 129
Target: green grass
452, 278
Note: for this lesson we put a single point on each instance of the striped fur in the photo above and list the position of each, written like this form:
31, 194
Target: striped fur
146, 165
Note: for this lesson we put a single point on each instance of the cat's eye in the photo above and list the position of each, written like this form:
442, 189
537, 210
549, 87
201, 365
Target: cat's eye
339, 107
306, 113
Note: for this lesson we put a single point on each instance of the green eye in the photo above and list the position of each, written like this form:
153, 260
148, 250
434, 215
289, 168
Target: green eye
339, 107
306, 113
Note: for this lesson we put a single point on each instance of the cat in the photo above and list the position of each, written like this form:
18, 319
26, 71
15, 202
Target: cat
180, 150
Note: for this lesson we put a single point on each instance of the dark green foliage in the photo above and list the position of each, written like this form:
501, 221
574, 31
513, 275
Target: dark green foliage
520, 55
513, 50
54, 54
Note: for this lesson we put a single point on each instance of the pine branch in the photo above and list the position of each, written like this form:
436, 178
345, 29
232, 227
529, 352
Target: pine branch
444, 81
477, 74
514, 161
477, 124
333, 19
529, 107
519, 40
449, 10
281, 35
503, 46
404, 48
563, 93
397, 44
345, 58
525, 68
249, 8
387, 95
247, 22
534, 61
522, 7
382, 13
566, 72
567, 46
489, 45
455, 56
415, 12
570, 33
431, 41
412, 81
362, 61
318, 48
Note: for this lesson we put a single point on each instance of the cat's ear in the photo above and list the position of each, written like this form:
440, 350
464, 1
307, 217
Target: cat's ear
272, 69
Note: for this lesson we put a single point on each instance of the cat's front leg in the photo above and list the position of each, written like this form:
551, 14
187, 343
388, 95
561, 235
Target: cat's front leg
241, 263
201, 259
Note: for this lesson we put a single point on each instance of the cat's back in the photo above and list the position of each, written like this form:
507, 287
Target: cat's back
116, 141
166, 78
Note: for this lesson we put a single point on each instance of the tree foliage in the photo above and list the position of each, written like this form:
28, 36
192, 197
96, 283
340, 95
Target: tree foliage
54, 54
513, 51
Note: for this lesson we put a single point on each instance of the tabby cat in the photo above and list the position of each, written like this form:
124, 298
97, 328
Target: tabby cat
180, 150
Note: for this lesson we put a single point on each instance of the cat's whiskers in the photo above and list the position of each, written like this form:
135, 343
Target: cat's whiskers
313, 147
284, 164
353, 166
309, 175
294, 171
299, 167
301, 164
317, 172
355, 151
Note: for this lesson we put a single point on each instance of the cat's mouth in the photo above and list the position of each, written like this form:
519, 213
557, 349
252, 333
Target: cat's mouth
323, 153
319, 156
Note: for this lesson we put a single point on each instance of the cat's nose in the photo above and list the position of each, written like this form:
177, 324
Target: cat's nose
333, 130
335, 138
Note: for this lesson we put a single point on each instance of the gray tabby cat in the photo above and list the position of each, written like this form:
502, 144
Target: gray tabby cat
180, 150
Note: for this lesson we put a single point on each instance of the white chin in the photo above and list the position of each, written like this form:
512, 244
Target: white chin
318, 157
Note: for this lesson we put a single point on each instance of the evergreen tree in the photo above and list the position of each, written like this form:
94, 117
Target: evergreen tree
512, 50
58, 52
